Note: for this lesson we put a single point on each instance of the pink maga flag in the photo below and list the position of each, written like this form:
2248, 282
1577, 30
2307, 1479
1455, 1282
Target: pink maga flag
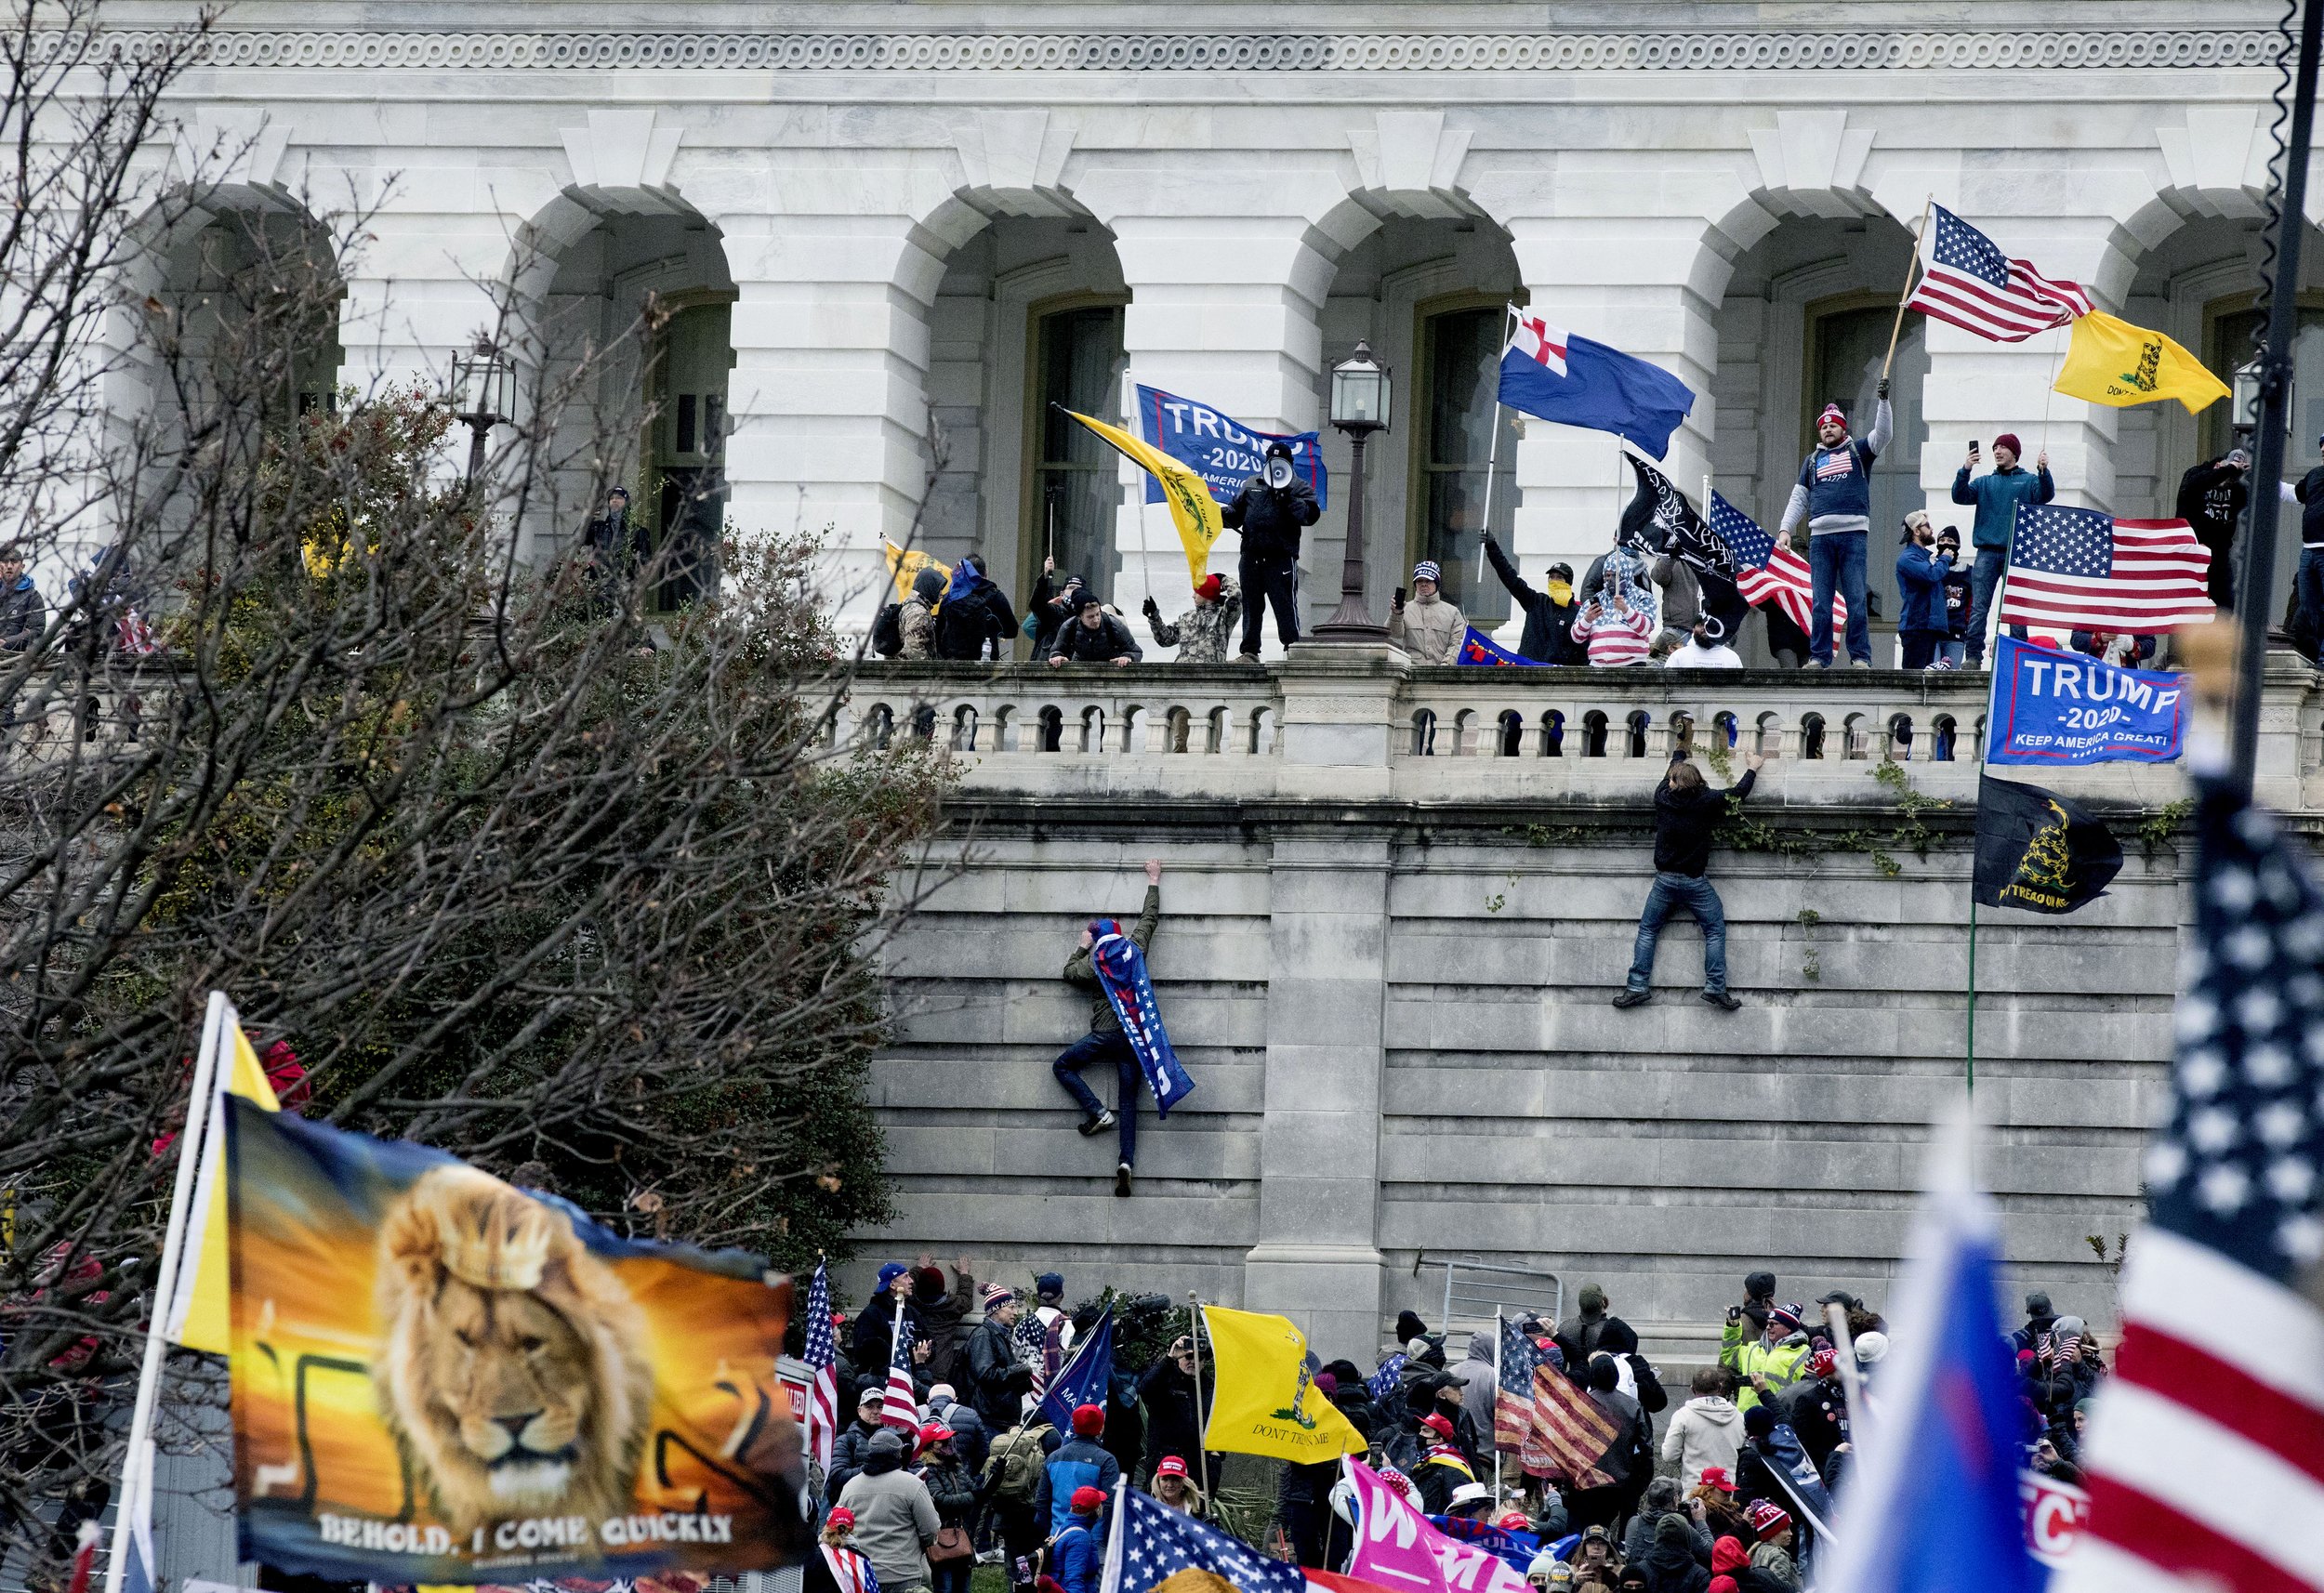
1396, 1548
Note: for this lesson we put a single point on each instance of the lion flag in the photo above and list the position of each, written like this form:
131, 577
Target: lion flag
1193, 509
1266, 1402
2111, 362
440, 1379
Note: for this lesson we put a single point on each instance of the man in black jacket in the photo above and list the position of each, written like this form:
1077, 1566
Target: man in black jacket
1270, 511
992, 1357
978, 620
1686, 812
1093, 637
1173, 1419
2211, 497
1548, 637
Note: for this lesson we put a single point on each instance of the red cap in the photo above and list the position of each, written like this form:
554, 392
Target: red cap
935, 1433
1170, 1466
1438, 1424
1208, 587
842, 1518
1514, 1520
1088, 1421
1086, 1499
1716, 1477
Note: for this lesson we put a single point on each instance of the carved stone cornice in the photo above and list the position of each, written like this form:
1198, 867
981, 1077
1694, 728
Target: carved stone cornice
1735, 50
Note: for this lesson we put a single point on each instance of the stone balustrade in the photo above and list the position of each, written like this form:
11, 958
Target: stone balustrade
1383, 727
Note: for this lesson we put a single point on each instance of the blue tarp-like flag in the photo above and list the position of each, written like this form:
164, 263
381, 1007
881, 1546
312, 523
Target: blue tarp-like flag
1121, 969
1548, 373
1085, 1377
1221, 449
1479, 648
1935, 1506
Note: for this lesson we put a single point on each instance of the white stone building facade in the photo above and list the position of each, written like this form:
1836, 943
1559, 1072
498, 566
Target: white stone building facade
893, 235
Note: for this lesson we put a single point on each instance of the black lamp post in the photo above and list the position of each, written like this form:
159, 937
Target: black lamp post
483, 394
1359, 407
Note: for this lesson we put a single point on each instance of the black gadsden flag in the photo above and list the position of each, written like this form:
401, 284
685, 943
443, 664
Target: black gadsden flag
2039, 850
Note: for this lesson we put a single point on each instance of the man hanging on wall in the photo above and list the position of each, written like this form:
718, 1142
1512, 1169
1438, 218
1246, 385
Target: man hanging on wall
1105, 1042
1270, 511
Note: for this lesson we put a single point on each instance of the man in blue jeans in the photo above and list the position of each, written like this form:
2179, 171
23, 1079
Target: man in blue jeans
2309, 583
1105, 1042
1686, 812
1834, 495
1996, 495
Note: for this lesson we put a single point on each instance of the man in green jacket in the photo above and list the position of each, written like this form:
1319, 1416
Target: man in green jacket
1768, 1356
1105, 1042
1996, 495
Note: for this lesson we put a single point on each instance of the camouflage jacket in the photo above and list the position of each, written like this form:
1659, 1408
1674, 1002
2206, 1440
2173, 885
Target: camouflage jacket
1204, 634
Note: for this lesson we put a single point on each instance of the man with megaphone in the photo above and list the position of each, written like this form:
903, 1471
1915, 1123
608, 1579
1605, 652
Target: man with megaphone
1270, 511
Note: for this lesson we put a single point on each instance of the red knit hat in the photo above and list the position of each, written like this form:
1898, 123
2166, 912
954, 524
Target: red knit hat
1088, 1421
1208, 587
1766, 1518
1832, 412
1088, 1500
2009, 440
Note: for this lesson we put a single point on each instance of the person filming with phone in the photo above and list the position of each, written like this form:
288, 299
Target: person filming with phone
1271, 511
1996, 496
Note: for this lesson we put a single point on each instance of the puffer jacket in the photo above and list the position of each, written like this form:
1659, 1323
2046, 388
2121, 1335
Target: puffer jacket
1429, 630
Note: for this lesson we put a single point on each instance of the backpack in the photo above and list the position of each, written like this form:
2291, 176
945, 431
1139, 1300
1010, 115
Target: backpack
887, 632
1016, 1463
962, 624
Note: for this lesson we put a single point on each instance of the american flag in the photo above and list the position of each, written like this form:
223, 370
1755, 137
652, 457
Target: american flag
1383, 1382
2083, 570
900, 1404
1570, 1434
1512, 1402
1765, 574
2204, 1459
823, 1358
1965, 279
1151, 1541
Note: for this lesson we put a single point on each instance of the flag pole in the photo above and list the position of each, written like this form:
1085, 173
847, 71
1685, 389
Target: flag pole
1202, 1431
2255, 581
137, 1462
1492, 453
1911, 271
1494, 1449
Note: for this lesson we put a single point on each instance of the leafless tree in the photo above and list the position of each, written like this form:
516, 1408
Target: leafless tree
500, 856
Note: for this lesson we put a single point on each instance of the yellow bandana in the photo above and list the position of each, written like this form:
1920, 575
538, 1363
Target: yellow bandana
1561, 593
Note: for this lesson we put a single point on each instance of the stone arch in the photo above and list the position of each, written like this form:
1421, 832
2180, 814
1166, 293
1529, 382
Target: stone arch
618, 311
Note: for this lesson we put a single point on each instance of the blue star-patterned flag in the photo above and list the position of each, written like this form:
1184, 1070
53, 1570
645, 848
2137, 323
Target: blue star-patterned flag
2061, 540
1744, 537
1151, 1541
1383, 1382
2237, 1168
1964, 248
1477, 648
1085, 1377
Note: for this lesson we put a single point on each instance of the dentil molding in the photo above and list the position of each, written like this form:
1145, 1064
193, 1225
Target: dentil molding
1222, 52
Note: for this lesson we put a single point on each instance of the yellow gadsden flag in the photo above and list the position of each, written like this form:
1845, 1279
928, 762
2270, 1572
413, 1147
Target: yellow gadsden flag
198, 1317
903, 565
1266, 1403
1193, 509
2113, 362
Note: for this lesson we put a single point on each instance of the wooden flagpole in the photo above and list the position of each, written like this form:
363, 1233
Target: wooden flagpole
1904, 297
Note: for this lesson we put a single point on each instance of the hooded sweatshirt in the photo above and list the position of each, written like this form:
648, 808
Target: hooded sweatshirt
1479, 1383
895, 1517
1706, 1431
1670, 1565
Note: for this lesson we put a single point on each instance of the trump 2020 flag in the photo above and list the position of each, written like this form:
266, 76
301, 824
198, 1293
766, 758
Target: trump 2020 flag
1121, 969
1220, 449
1085, 1378
1934, 1507
1548, 373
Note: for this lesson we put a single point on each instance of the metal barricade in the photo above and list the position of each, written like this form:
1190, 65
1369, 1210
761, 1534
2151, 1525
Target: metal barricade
1476, 1289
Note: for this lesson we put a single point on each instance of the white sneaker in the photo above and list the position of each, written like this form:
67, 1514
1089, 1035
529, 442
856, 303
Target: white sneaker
1859, 664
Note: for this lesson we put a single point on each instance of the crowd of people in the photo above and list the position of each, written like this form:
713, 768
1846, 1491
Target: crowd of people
1722, 1490
1636, 604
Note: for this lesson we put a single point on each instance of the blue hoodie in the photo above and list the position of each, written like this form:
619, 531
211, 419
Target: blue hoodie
1078, 1463
1077, 1558
1997, 495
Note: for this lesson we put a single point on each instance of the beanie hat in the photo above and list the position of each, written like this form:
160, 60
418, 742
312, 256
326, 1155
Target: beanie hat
1820, 1364
940, 1391
1767, 1519
842, 1518
1327, 1385
1672, 1528
1717, 1477
998, 1295
887, 1440
2009, 440
1832, 412
889, 1274
1789, 1316
1085, 598
1760, 1284
1593, 1298
1438, 1424
1605, 1377
2068, 1326
1544, 1563
1759, 1421
1426, 570
1409, 1326
1208, 587
1088, 1421
1561, 1575
1871, 1347
1088, 1500
1170, 1466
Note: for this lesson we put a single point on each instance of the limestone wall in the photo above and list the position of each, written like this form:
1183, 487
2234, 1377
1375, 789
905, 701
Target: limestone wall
1392, 989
